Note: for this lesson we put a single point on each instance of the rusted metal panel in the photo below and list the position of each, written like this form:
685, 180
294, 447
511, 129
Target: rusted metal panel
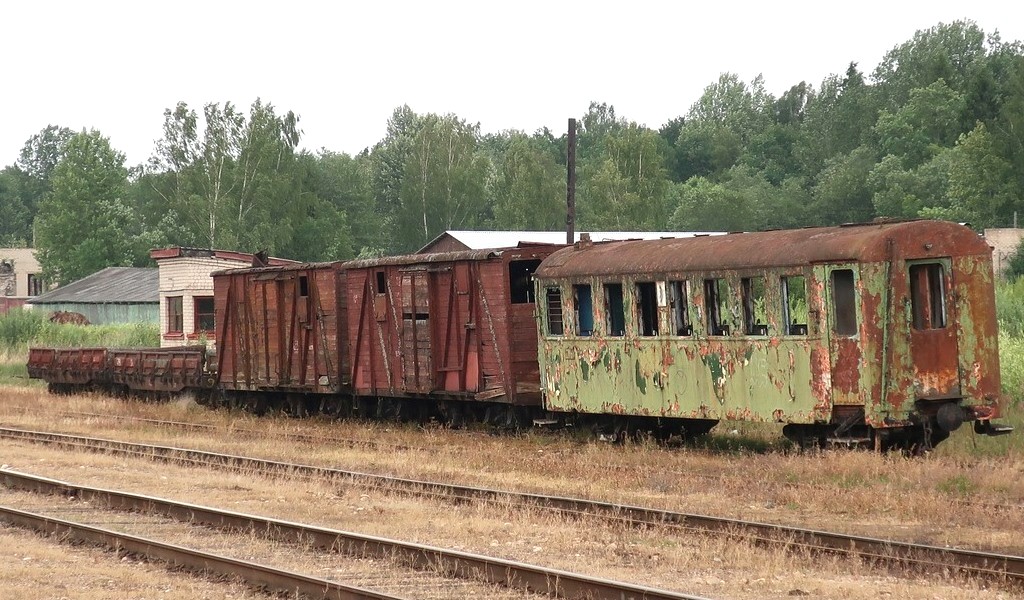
68, 365
758, 250
900, 319
159, 369
280, 328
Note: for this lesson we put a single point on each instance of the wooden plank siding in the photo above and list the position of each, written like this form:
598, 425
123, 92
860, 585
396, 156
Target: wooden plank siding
280, 328
444, 325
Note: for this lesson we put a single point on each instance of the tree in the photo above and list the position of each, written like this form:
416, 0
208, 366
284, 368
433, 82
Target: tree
15, 213
627, 188
527, 187
231, 182
84, 224
443, 182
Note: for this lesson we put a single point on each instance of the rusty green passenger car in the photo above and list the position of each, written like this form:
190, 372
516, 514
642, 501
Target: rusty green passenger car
880, 334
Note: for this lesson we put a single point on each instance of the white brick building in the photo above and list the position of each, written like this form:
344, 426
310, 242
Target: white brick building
186, 291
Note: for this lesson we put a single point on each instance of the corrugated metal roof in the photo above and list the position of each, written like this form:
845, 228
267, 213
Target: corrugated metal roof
479, 240
113, 284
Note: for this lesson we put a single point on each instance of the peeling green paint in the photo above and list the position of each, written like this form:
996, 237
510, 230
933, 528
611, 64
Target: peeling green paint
584, 369
641, 381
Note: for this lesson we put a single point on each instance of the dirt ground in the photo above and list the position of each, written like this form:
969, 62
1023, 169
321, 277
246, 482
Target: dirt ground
934, 499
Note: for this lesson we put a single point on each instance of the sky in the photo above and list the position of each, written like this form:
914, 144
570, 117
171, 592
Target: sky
344, 66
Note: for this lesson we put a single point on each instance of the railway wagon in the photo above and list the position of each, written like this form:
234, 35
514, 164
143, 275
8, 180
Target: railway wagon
878, 334
453, 331
154, 371
68, 369
159, 370
281, 331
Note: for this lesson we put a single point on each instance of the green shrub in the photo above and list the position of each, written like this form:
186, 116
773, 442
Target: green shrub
17, 327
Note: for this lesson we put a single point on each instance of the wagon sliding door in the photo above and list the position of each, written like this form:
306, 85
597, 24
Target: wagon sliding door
416, 334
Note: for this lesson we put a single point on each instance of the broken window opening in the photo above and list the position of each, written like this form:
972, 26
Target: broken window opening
35, 284
615, 311
520, 284
381, 283
844, 302
716, 298
554, 307
583, 305
755, 313
647, 313
205, 321
303, 285
928, 295
794, 305
679, 292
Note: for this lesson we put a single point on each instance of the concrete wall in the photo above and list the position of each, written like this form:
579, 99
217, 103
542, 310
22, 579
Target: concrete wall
25, 264
1004, 242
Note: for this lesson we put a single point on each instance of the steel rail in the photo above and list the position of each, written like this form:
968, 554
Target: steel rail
992, 566
277, 580
352, 443
512, 574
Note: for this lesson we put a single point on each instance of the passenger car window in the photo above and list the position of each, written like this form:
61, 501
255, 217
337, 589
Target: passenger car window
647, 308
716, 303
794, 305
583, 304
755, 313
844, 302
678, 293
615, 312
554, 306
928, 295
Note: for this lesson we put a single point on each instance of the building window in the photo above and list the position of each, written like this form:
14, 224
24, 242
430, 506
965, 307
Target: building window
205, 322
175, 315
35, 284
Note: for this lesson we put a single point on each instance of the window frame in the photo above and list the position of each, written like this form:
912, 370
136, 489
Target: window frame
923, 307
678, 291
714, 301
197, 316
175, 318
553, 299
790, 326
847, 322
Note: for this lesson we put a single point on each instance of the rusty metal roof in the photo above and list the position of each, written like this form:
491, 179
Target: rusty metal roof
795, 247
121, 285
481, 240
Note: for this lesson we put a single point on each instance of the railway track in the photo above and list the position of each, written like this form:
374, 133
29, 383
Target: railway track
314, 439
990, 566
448, 565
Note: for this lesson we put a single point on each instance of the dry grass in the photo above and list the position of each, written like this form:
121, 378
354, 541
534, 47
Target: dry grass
915, 499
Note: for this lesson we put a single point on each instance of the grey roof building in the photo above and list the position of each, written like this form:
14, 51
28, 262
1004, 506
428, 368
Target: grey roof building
113, 295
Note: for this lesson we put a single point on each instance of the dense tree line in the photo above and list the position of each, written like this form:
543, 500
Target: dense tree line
935, 131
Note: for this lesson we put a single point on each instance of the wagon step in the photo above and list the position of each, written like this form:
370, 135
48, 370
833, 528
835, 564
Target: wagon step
849, 442
545, 422
991, 429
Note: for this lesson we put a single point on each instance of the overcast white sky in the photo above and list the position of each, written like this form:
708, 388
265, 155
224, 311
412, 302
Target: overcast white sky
344, 66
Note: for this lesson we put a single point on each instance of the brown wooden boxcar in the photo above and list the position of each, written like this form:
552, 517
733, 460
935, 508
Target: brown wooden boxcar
278, 329
453, 325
